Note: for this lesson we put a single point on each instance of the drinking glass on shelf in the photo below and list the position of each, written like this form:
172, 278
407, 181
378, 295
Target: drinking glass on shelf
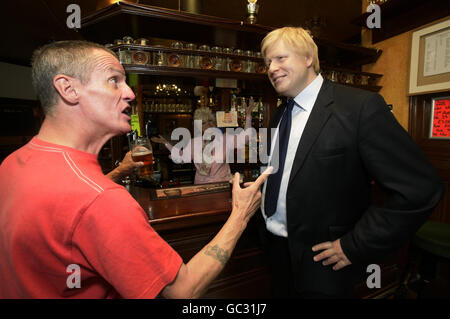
218, 59
159, 57
122, 52
227, 60
248, 64
142, 152
191, 57
127, 51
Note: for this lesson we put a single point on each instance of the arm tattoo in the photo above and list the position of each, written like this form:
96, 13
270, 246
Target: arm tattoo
217, 253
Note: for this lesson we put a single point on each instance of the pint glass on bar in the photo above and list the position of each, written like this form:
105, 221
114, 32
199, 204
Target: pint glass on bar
142, 152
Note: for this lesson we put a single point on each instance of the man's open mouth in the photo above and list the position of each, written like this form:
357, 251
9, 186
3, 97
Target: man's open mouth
127, 111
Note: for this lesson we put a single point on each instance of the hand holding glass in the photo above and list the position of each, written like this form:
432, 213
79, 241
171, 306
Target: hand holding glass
142, 152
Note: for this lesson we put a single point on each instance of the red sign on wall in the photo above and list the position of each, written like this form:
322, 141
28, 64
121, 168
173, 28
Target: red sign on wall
440, 118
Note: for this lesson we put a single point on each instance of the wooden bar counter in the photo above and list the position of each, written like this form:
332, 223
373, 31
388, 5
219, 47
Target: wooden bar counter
189, 223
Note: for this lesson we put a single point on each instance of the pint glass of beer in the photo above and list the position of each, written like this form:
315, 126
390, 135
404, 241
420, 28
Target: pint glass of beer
142, 152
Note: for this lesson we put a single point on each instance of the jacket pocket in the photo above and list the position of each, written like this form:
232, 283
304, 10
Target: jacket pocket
336, 232
329, 153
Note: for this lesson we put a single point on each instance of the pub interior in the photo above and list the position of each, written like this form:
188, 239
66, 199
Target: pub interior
182, 55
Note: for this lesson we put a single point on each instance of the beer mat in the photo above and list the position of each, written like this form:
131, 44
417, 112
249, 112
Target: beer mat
191, 190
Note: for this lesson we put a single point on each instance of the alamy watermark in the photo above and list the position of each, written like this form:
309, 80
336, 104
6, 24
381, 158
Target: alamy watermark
74, 279
214, 146
374, 19
74, 19
374, 279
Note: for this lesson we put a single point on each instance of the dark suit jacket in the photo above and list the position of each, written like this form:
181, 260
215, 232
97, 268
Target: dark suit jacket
351, 138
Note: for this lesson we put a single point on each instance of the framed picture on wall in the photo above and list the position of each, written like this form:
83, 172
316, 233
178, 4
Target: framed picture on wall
430, 59
440, 118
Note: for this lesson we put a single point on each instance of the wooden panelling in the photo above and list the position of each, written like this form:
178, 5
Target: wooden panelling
437, 151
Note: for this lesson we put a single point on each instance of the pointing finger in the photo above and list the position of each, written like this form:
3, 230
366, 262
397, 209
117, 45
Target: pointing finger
263, 177
236, 179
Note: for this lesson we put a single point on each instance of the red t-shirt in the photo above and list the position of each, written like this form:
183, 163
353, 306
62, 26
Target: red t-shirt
57, 209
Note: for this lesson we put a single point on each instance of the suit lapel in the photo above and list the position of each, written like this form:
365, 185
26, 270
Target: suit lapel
317, 119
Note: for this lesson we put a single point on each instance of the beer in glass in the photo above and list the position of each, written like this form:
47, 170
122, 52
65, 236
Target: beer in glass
142, 152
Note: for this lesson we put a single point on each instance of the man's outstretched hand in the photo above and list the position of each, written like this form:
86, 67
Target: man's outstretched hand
247, 200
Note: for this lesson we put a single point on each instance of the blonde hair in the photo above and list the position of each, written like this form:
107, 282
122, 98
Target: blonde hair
295, 37
204, 114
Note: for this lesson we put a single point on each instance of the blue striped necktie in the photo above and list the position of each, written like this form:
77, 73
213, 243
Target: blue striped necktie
274, 180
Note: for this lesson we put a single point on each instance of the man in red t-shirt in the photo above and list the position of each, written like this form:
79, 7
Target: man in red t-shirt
68, 231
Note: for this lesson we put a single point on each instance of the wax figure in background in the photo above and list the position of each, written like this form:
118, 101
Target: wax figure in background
58, 209
212, 170
321, 228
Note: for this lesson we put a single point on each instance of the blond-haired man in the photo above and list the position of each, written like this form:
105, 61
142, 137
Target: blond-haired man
321, 227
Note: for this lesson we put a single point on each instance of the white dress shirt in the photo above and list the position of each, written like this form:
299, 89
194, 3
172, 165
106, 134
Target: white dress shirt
304, 103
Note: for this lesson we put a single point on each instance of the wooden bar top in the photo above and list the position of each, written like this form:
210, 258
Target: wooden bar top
183, 212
